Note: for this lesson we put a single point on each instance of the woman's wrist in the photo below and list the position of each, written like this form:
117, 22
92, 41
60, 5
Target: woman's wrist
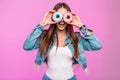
42, 24
82, 26
87, 29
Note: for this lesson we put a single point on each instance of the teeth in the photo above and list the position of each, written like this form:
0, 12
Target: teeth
62, 24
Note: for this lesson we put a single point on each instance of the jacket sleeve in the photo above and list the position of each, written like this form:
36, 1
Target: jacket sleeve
33, 39
89, 41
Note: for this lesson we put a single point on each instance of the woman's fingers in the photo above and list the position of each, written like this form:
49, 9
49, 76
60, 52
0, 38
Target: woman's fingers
86, 71
52, 11
73, 13
48, 13
36, 67
53, 22
48, 18
71, 24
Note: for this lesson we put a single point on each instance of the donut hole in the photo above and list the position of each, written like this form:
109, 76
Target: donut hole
57, 16
68, 17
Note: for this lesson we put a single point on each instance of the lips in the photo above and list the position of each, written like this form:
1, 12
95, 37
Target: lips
61, 23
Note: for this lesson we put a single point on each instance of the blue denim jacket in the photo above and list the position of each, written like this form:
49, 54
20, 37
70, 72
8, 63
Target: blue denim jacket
88, 42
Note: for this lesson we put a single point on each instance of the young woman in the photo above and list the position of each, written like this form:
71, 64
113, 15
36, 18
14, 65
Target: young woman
59, 46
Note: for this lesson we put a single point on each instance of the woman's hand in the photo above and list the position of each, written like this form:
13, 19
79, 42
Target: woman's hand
86, 71
76, 21
47, 19
36, 67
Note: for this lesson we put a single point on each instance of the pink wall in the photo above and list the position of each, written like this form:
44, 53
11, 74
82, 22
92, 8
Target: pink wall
18, 17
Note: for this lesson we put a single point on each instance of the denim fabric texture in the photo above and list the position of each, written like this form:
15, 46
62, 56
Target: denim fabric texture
86, 42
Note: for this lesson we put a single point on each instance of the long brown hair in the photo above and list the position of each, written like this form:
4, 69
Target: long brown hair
47, 38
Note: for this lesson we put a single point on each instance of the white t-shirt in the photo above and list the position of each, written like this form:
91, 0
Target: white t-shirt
59, 63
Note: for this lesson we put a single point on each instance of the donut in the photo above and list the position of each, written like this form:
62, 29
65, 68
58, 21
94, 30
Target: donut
57, 17
68, 17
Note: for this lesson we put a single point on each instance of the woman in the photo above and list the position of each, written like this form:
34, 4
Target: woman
59, 46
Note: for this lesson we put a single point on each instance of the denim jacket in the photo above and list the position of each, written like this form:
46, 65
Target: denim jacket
86, 42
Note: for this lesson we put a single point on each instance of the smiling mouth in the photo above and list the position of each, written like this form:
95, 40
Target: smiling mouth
61, 23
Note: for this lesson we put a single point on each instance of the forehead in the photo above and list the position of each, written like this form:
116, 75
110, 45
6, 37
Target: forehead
62, 10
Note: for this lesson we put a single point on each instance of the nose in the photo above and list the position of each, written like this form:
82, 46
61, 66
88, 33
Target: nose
62, 20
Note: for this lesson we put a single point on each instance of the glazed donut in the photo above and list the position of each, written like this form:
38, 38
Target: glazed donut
67, 17
57, 17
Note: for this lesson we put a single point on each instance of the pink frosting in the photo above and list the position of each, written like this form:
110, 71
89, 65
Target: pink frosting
68, 17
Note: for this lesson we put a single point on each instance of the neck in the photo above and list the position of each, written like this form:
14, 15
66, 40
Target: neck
61, 33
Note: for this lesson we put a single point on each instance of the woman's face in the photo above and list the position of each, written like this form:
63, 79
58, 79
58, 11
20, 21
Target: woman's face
62, 25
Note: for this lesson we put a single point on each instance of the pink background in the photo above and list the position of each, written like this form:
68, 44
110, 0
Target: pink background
19, 17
